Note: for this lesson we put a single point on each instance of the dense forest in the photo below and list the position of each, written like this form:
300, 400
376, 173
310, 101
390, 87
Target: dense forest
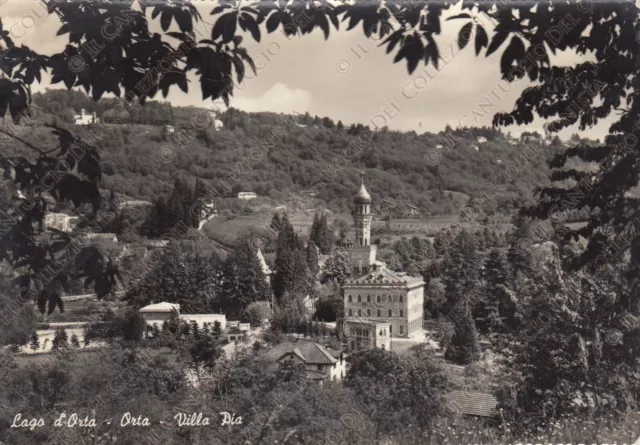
276, 156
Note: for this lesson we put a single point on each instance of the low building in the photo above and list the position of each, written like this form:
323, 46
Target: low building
320, 363
60, 221
168, 129
367, 334
247, 195
481, 139
110, 237
134, 204
202, 319
86, 119
413, 210
159, 313
236, 334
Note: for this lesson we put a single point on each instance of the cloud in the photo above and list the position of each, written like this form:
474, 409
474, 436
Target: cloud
279, 99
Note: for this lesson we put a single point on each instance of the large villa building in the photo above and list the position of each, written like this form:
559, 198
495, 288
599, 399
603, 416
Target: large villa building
378, 303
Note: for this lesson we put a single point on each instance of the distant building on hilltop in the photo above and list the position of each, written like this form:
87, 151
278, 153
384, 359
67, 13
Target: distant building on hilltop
112, 237
60, 221
86, 119
134, 204
481, 139
413, 210
247, 195
379, 303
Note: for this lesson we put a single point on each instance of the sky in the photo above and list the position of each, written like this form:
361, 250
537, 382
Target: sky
347, 77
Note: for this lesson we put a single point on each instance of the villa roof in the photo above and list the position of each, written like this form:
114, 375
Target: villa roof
307, 351
384, 277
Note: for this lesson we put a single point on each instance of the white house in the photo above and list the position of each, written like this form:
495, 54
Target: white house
247, 195
168, 129
158, 313
481, 139
320, 363
86, 119
475, 147
60, 221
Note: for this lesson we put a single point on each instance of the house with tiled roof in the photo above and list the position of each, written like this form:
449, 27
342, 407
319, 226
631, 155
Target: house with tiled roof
477, 404
320, 363
379, 303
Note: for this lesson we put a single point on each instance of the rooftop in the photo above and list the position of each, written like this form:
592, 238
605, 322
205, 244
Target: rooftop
307, 351
385, 276
161, 307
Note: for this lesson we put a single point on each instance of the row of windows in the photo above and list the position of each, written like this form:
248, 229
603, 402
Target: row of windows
390, 313
400, 299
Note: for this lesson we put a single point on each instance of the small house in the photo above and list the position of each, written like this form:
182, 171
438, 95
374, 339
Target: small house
60, 221
320, 363
159, 313
85, 119
481, 139
247, 195
413, 210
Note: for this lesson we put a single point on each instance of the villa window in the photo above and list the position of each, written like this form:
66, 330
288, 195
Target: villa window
368, 312
350, 312
378, 299
400, 298
350, 299
401, 313
390, 329
401, 329
359, 299
390, 313
359, 312
378, 312
368, 298
320, 366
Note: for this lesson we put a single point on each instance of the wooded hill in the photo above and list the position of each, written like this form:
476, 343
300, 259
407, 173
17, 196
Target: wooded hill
278, 156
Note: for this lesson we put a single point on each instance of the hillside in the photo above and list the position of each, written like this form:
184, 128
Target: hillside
263, 153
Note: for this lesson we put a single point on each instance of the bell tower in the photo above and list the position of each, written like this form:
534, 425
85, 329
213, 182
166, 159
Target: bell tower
362, 215
363, 253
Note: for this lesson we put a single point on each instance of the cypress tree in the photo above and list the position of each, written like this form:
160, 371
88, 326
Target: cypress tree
216, 331
464, 348
312, 258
